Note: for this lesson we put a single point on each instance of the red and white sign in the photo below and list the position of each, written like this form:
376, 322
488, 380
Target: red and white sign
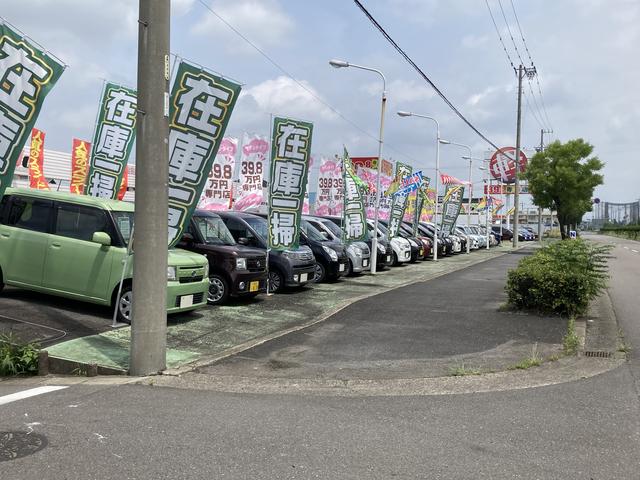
504, 189
503, 166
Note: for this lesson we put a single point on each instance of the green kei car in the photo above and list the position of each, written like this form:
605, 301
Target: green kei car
75, 246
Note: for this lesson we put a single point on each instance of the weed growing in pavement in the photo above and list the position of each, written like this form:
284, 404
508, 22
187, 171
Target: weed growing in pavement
533, 361
16, 358
463, 371
623, 346
571, 342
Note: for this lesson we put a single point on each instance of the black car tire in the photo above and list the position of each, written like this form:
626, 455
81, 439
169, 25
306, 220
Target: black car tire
124, 304
275, 281
349, 271
395, 261
218, 292
320, 273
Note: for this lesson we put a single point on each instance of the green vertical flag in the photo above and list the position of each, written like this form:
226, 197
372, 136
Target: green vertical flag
421, 197
27, 74
353, 214
452, 203
201, 105
290, 154
112, 141
398, 200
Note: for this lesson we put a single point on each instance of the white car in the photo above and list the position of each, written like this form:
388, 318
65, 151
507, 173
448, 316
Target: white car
400, 246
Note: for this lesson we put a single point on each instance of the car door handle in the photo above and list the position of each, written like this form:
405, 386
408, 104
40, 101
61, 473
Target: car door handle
55, 245
4, 235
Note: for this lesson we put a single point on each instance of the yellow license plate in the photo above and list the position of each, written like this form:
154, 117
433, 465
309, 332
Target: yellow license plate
254, 286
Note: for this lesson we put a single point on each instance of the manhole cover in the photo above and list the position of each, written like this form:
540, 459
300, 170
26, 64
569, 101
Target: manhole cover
20, 444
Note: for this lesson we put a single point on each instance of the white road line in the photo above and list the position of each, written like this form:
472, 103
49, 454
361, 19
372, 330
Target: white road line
627, 248
634, 251
28, 393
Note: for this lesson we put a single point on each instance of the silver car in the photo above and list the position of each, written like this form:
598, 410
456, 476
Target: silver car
358, 252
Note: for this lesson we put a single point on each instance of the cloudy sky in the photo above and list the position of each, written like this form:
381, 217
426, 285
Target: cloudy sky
587, 53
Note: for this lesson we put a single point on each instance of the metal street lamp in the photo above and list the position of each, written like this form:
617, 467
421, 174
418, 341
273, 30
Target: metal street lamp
435, 212
447, 142
487, 194
374, 241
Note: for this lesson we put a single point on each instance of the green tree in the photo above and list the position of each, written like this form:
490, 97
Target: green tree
563, 178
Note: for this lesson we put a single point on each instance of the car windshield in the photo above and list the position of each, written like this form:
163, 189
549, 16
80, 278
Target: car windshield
213, 230
259, 224
333, 228
124, 222
311, 231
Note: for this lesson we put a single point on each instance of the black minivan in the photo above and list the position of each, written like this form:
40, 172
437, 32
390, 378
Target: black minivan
289, 268
234, 270
331, 257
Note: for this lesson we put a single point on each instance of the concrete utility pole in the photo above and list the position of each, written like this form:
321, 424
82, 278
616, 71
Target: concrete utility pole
516, 194
542, 132
149, 316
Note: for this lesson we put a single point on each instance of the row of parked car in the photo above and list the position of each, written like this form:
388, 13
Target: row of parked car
77, 246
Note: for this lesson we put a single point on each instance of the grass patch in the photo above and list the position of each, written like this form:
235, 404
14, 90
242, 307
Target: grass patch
463, 371
571, 342
532, 361
16, 358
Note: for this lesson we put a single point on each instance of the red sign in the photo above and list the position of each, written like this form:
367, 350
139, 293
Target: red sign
372, 163
504, 189
36, 161
503, 166
79, 165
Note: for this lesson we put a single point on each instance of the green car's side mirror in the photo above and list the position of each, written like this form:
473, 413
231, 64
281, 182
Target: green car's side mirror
102, 238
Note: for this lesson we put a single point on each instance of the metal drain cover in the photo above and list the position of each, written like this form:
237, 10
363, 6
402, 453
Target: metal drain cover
598, 354
15, 445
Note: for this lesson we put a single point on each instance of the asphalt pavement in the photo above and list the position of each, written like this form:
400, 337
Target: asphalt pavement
422, 330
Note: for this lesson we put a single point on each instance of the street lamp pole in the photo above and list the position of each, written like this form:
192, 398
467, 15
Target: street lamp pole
447, 142
374, 240
435, 212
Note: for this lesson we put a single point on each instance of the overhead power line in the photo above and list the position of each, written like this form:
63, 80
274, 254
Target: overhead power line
421, 73
537, 78
298, 82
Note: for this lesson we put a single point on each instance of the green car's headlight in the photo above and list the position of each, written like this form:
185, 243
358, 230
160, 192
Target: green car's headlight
171, 274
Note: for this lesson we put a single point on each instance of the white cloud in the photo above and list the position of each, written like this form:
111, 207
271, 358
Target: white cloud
264, 22
283, 96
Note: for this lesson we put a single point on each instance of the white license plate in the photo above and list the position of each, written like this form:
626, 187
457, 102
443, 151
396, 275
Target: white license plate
186, 301
341, 268
388, 258
365, 263
303, 277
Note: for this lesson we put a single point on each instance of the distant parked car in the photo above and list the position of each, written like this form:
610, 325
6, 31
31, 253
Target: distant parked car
358, 252
288, 268
384, 256
417, 249
505, 236
401, 248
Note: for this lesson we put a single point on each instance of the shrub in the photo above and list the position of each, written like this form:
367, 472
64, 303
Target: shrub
562, 277
16, 359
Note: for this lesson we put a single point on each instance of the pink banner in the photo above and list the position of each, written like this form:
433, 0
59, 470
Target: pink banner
217, 191
253, 164
330, 196
369, 177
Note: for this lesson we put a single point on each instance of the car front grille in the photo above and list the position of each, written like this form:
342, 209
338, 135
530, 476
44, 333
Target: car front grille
190, 274
257, 264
